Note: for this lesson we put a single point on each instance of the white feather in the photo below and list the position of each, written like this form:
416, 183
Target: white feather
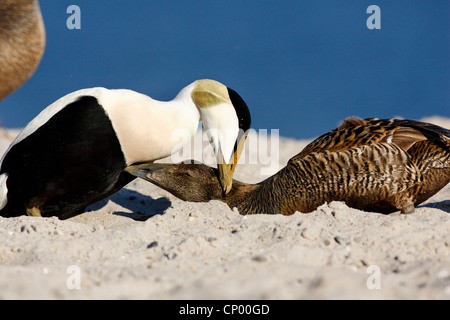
222, 128
149, 129
3, 190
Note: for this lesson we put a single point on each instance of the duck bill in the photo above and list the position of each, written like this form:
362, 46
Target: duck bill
144, 169
225, 175
226, 170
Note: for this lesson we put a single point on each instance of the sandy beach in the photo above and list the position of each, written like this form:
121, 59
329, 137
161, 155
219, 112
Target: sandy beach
143, 243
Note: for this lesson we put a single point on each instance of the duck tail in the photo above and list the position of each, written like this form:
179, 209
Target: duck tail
435, 133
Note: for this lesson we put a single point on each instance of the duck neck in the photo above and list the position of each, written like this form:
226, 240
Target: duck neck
264, 197
149, 129
283, 193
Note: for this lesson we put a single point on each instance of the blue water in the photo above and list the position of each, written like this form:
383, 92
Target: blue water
301, 66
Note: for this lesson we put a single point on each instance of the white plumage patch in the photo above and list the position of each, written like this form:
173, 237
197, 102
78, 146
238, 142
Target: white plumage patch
222, 128
3, 190
149, 129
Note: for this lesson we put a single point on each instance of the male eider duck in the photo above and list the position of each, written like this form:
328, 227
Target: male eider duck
75, 151
22, 42
372, 165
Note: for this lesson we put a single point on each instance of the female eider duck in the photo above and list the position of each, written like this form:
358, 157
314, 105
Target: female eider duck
22, 42
372, 165
75, 151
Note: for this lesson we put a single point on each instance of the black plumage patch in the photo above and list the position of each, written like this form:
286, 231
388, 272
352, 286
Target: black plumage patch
71, 161
241, 108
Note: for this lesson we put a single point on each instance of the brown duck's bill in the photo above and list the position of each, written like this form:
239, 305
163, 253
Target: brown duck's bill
142, 170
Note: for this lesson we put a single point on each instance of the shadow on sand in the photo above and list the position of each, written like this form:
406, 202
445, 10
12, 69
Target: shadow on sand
442, 205
141, 207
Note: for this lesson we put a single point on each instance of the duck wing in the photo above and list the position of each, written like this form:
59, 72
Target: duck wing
427, 144
354, 132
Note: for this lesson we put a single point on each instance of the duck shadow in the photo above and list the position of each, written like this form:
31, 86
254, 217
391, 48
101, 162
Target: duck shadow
442, 205
141, 207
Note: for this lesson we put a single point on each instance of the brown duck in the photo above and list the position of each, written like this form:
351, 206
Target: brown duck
372, 164
22, 42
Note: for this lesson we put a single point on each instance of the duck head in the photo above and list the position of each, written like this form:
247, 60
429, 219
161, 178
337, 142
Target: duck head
188, 182
226, 119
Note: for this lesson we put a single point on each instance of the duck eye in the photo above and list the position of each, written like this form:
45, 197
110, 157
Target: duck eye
186, 174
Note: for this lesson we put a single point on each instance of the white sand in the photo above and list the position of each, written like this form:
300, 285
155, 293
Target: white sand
144, 243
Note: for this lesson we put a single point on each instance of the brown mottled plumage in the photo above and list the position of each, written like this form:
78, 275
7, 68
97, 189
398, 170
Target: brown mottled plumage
22, 42
372, 164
